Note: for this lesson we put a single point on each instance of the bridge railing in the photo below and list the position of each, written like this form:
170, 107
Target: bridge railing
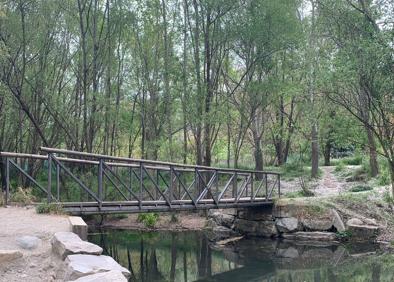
105, 182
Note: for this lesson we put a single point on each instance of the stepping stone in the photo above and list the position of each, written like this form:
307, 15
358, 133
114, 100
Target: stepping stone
310, 236
28, 242
109, 276
9, 255
68, 243
82, 265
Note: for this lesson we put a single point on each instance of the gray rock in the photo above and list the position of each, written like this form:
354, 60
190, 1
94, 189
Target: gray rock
337, 221
82, 265
310, 236
109, 276
28, 242
9, 255
361, 232
354, 221
317, 224
287, 224
67, 243
219, 233
222, 218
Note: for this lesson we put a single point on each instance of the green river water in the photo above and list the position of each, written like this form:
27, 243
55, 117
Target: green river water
189, 256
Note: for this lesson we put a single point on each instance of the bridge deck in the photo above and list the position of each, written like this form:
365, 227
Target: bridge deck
78, 208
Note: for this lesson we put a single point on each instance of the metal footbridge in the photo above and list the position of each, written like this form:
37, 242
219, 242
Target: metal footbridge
85, 183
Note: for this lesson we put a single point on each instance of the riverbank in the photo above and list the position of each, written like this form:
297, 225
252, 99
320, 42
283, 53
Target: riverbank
177, 221
34, 260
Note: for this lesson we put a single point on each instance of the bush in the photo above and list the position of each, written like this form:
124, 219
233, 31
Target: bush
52, 208
23, 196
148, 219
388, 198
174, 218
355, 160
360, 188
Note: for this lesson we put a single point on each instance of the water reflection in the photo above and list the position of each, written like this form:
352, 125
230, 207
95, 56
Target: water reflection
189, 256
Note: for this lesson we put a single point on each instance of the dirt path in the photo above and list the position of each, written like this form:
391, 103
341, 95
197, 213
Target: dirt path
38, 264
329, 184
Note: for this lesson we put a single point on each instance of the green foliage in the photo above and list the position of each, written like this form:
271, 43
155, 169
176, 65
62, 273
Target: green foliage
355, 160
23, 196
388, 198
148, 219
340, 167
361, 188
52, 208
343, 235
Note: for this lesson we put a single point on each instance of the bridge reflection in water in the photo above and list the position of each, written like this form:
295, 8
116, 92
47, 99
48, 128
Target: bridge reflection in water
186, 256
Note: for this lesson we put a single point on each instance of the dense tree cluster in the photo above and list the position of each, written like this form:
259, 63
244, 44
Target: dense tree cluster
228, 82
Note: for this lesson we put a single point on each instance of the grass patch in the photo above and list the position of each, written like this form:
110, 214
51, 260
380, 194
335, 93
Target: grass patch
340, 167
354, 160
52, 208
361, 188
23, 196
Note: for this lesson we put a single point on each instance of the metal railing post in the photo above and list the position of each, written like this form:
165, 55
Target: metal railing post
58, 181
266, 187
100, 182
235, 184
7, 181
251, 187
49, 188
171, 188
279, 185
141, 185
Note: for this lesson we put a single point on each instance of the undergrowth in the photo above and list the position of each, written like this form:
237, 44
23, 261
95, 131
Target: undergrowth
148, 219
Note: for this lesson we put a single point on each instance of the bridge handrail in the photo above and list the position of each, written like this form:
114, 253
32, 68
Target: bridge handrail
128, 160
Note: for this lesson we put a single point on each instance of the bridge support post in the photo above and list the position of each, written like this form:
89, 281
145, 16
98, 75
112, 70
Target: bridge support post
49, 188
7, 181
100, 182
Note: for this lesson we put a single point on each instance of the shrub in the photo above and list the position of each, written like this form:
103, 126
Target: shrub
52, 208
343, 235
388, 198
355, 160
148, 219
23, 196
174, 218
360, 188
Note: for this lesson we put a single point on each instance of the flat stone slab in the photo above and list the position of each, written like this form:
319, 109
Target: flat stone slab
9, 255
83, 265
109, 276
68, 243
310, 236
287, 224
28, 242
79, 227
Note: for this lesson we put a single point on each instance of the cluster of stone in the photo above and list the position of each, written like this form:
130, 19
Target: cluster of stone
290, 221
84, 261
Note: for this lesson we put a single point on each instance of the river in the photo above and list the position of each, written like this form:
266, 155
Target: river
189, 256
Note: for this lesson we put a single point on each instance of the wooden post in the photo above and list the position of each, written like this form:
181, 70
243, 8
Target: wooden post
58, 182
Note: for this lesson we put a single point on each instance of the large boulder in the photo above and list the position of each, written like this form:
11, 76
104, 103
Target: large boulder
317, 224
28, 242
256, 228
9, 255
287, 224
222, 218
109, 276
360, 231
337, 221
68, 243
82, 265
